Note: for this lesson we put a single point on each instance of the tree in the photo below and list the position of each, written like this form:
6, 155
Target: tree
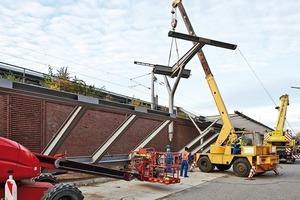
62, 73
64, 82
12, 77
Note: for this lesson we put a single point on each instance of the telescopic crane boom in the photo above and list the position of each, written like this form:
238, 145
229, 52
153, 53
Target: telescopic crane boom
284, 102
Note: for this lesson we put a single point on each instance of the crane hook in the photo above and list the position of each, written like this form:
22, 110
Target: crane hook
174, 23
174, 20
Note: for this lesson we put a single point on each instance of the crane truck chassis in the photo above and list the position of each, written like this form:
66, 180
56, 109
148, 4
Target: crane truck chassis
25, 168
221, 155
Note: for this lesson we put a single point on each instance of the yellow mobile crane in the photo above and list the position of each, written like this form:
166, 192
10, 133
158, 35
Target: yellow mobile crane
252, 152
279, 140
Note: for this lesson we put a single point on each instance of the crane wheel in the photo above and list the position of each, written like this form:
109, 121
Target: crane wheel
46, 177
223, 167
205, 165
63, 191
241, 167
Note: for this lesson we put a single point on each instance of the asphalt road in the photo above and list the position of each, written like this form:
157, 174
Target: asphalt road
212, 186
266, 186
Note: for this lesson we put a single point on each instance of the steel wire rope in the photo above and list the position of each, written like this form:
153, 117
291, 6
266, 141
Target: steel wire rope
80, 64
66, 60
265, 89
74, 72
52, 66
174, 24
56, 57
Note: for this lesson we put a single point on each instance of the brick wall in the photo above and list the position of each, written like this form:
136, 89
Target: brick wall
33, 121
22, 120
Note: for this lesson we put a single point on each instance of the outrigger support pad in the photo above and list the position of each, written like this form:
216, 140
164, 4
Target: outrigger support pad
201, 40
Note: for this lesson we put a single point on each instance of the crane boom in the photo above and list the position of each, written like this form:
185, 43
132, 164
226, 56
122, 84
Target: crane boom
227, 128
284, 102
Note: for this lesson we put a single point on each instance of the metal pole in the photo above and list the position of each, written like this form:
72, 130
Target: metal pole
152, 91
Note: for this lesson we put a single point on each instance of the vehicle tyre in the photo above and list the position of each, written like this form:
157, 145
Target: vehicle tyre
46, 177
63, 192
223, 167
290, 160
205, 165
241, 167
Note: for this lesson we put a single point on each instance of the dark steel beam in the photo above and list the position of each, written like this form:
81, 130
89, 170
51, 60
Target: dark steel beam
295, 87
202, 40
168, 71
165, 70
181, 63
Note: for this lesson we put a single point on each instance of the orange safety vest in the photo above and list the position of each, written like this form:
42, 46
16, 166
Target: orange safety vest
185, 155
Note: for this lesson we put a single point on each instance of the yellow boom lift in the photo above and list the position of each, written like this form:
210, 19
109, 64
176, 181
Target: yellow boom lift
279, 140
252, 152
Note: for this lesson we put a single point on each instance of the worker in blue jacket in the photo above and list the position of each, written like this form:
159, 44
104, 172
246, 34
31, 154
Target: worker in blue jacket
186, 157
237, 146
169, 159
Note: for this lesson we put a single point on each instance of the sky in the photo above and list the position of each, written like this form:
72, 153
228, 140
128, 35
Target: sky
99, 40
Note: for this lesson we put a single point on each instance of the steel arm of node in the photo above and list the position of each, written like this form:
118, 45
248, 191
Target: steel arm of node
187, 112
204, 143
202, 134
180, 64
63, 131
152, 135
199, 130
167, 84
205, 150
100, 152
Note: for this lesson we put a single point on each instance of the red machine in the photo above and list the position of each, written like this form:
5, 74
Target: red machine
17, 160
25, 168
159, 167
23, 165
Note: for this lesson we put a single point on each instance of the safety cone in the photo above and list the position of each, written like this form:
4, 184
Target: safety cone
10, 189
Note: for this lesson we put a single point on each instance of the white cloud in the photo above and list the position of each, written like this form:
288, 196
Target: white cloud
99, 40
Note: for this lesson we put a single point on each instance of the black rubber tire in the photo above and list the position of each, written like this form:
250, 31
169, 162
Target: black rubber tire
241, 167
223, 167
63, 192
290, 160
205, 165
46, 177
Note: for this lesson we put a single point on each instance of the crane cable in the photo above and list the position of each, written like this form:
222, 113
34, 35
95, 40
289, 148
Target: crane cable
257, 77
262, 85
173, 24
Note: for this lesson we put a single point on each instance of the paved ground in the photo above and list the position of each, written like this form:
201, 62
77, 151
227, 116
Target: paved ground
106, 188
